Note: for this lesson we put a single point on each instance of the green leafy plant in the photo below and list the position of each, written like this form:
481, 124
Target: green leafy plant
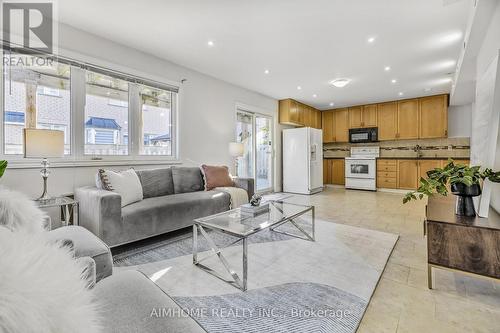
451, 173
3, 166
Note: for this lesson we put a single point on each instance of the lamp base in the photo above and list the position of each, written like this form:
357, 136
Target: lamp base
45, 175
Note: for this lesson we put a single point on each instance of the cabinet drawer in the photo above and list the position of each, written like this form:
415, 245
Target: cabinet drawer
386, 162
387, 174
386, 168
387, 182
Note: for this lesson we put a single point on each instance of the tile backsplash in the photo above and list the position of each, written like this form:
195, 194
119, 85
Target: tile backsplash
421, 148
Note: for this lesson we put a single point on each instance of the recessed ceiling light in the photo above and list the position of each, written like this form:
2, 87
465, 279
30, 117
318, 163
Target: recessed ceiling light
394, 81
314, 95
387, 68
210, 43
340, 83
332, 104
400, 94
266, 71
427, 89
299, 88
371, 39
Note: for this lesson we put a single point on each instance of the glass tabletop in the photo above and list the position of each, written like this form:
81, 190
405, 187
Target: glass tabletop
54, 202
241, 223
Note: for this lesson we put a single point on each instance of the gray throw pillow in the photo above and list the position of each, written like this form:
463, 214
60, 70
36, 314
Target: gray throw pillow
156, 182
187, 179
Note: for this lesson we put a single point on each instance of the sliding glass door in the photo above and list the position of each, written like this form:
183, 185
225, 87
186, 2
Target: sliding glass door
255, 132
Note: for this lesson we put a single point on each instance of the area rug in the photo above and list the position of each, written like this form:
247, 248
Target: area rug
294, 285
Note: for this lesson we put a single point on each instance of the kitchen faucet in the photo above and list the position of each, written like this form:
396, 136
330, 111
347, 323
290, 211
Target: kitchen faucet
418, 149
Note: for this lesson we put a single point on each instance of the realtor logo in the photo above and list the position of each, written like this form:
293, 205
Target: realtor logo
28, 26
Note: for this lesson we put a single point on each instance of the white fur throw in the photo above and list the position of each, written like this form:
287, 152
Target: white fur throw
238, 196
19, 213
41, 289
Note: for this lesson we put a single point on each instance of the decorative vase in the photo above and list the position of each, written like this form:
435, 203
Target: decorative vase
464, 193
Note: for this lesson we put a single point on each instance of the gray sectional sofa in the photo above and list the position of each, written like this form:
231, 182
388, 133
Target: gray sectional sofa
173, 198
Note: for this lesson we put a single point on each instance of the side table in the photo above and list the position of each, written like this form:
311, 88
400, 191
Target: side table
69, 208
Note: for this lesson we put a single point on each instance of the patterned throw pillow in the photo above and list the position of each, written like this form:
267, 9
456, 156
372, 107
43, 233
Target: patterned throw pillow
216, 176
125, 183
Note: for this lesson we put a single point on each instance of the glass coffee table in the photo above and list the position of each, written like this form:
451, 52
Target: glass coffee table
242, 225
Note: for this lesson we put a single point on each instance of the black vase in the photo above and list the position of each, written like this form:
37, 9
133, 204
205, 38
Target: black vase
464, 193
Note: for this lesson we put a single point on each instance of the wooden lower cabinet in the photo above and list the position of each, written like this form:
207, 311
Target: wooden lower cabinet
408, 174
387, 173
427, 165
334, 171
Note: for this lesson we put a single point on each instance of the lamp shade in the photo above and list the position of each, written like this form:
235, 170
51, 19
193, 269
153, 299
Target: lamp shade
42, 143
236, 149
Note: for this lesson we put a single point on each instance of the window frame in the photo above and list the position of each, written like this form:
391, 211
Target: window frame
77, 124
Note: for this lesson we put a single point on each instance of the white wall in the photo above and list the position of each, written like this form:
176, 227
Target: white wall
459, 121
206, 117
487, 53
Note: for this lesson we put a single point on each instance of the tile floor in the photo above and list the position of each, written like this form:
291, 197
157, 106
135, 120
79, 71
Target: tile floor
402, 302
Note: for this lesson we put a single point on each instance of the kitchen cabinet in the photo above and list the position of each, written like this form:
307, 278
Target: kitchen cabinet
355, 117
327, 125
433, 117
387, 116
427, 165
327, 171
387, 173
408, 119
341, 125
369, 116
407, 172
289, 112
338, 171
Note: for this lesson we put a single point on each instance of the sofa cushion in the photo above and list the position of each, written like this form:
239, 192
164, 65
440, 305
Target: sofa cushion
156, 182
154, 216
216, 176
126, 183
187, 179
133, 303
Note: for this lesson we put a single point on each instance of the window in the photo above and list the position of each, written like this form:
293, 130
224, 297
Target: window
156, 121
106, 123
29, 100
104, 114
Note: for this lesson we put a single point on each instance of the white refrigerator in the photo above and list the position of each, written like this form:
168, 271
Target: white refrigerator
302, 160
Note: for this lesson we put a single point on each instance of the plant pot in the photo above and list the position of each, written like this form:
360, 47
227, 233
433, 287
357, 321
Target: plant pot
464, 193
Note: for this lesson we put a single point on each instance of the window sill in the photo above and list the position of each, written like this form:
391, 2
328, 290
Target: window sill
36, 164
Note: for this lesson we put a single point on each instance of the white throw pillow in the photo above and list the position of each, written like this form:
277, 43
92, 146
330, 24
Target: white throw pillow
125, 183
19, 213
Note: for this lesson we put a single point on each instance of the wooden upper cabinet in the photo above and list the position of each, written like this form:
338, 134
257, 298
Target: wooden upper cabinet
341, 125
387, 118
327, 125
318, 119
355, 117
408, 111
407, 174
289, 112
433, 117
369, 116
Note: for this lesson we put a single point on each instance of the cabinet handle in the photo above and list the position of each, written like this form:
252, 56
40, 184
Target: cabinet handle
446, 132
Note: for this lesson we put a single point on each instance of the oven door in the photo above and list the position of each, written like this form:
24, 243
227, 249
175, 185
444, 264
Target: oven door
362, 168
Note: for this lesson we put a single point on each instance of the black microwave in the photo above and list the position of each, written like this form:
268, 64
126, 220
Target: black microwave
363, 135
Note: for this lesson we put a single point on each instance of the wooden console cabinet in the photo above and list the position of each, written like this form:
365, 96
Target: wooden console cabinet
459, 243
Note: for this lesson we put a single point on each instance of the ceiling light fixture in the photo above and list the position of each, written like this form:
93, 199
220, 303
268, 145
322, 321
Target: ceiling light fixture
314, 95
340, 83
400, 94
299, 88
210, 43
387, 68
371, 39
332, 104
427, 89
266, 71
394, 81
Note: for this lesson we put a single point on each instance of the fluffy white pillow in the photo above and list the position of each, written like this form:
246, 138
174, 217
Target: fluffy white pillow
41, 287
19, 213
125, 183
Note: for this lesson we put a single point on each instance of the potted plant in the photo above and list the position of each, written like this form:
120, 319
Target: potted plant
464, 181
3, 166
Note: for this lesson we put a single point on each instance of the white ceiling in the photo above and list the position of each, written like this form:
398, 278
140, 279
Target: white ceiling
303, 43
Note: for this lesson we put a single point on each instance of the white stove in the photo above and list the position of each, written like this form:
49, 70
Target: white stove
361, 168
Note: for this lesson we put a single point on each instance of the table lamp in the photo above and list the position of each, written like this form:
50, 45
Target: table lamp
236, 150
43, 143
